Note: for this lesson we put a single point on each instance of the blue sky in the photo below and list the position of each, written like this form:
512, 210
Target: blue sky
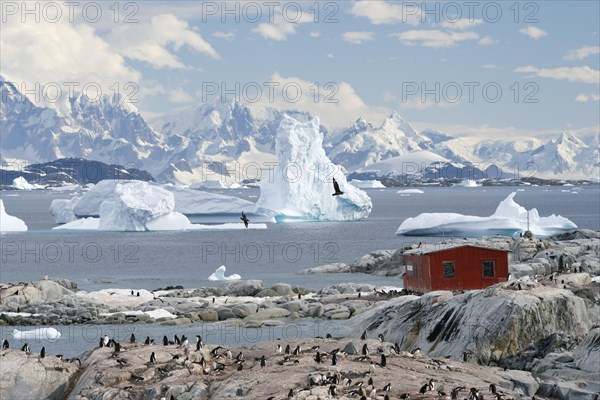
375, 53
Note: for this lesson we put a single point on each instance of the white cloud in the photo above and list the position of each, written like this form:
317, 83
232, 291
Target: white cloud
533, 32
418, 103
179, 95
59, 53
584, 98
150, 42
434, 38
487, 40
461, 24
281, 28
489, 66
382, 12
224, 35
337, 106
583, 74
330, 55
357, 37
315, 34
582, 52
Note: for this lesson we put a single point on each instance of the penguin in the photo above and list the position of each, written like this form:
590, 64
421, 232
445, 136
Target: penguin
117, 347
387, 387
184, 342
138, 294
279, 349
165, 341
25, 348
152, 358
296, 350
288, 349
365, 350
176, 340
332, 390
290, 394
239, 357
493, 388
105, 341
263, 362
240, 367
199, 343
43, 353
132, 339
5, 344
383, 362
380, 336
370, 381
147, 341
318, 357
334, 359
363, 336
429, 386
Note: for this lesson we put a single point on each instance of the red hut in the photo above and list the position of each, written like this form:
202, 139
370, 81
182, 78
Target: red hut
454, 266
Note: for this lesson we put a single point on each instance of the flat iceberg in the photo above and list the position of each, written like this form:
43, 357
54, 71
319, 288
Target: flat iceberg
374, 184
187, 201
219, 275
62, 209
37, 334
300, 187
8, 223
468, 183
410, 191
171, 222
510, 219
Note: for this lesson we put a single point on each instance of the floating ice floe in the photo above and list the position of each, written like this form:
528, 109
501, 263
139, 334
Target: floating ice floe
410, 191
36, 334
219, 275
156, 314
301, 185
372, 184
8, 223
510, 219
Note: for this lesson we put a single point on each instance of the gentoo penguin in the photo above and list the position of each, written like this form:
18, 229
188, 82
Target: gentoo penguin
199, 343
454, 392
263, 361
176, 340
152, 358
365, 350
279, 348
117, 347
380, 336
239, 357
429, 386
405, 396
493, 388
363, 336
318, 357
25, 348
245, 219
105, 340
383, 362
147, 341
474, 394
296, 350
43, 352
332, 390
288, 349
336, 188
240, 367
290, 394
387, 387
184, 343
165, 341
370, 381
5, 344
132, 339
334, 359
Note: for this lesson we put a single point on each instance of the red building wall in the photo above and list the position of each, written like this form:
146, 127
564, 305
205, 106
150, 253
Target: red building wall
428, 269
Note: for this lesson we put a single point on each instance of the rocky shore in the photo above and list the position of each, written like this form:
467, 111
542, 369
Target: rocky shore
535, 335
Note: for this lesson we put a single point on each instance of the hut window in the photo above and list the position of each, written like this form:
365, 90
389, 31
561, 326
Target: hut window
409, 269
449, 270
488, 269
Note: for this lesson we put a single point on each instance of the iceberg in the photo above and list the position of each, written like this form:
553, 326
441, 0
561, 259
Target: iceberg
510, 219
219, 275
171, 222
410, 191
62, 209
300, 186
8, 223
468, 183
187, 201
374, 184
21, 183
37, 334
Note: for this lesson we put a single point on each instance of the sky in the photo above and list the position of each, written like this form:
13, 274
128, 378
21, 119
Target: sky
492, 69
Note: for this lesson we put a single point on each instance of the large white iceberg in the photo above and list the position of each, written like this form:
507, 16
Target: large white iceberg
21, 183
62, 209
510, 219
219, 275
187, 201
8, 223
374, 184
300, 187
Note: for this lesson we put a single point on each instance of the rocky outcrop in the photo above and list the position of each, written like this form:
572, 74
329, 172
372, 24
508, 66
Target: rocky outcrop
26, 376
35, 292
487, 326
378, 262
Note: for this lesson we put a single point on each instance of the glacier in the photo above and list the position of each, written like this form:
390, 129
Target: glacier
8, 223
300, 187
509, 219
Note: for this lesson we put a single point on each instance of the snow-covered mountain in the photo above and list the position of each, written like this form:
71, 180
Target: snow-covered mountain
232, 141
362, 144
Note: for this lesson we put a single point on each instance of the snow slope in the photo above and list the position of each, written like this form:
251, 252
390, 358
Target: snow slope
8, 223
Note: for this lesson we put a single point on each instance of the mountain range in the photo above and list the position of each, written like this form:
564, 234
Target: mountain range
223, 140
